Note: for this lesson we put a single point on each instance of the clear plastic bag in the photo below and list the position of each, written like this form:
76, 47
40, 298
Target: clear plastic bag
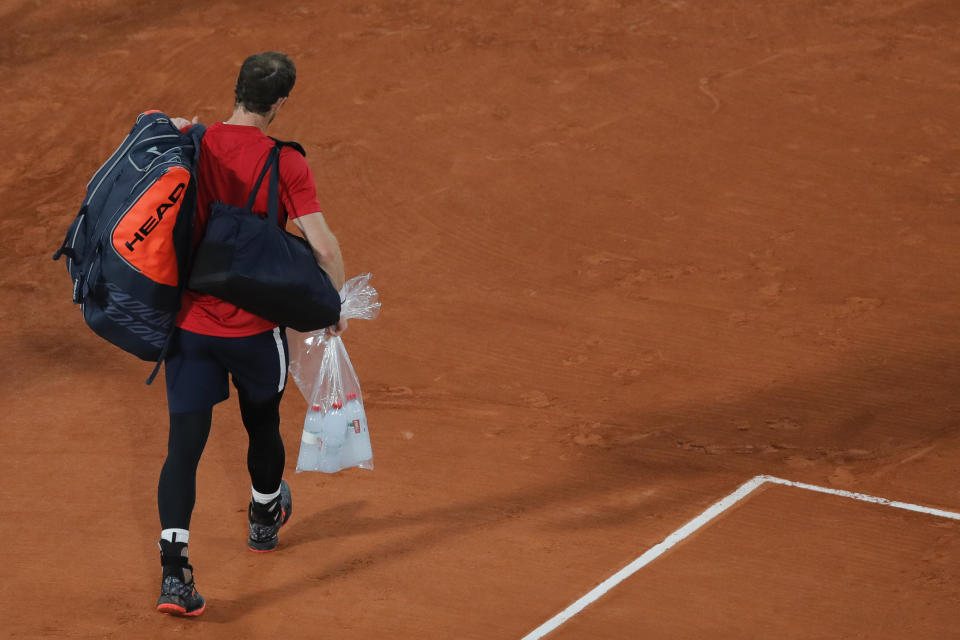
336, 435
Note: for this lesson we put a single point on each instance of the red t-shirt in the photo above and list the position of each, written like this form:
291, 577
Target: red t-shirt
231, 158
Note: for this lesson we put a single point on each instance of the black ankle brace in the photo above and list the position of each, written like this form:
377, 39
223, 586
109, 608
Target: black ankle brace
174, 560
269, 513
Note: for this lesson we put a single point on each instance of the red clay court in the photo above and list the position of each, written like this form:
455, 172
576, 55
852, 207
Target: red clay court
631, 255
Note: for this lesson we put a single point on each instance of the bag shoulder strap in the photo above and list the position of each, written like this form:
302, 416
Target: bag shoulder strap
256, 187
272, 165
290, 143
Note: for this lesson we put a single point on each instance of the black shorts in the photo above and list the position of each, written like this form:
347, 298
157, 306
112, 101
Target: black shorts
198, 367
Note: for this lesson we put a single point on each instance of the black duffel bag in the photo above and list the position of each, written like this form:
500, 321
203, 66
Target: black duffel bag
250, 261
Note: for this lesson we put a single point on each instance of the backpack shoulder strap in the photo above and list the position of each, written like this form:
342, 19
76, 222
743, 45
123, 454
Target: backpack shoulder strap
196, 135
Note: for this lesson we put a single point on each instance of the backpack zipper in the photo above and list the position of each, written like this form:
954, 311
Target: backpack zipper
144, 142
73, 240
121, 155
116, 154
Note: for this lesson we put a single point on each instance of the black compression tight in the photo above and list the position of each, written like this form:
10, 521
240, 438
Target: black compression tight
177, 489
265, 454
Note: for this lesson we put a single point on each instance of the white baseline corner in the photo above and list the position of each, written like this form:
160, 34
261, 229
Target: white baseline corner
712, 512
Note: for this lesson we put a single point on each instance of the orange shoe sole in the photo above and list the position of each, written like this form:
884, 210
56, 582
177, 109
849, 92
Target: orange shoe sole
252, 550
176, 610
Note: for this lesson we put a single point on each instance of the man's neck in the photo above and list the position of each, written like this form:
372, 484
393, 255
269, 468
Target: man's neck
245, 118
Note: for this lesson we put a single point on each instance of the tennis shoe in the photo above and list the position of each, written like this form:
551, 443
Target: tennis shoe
178, 593
266, 520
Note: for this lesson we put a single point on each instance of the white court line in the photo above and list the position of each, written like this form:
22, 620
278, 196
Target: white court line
864, 498
658, 550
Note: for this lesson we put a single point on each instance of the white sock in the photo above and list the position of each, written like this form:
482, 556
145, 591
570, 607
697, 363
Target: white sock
175, 535
264, 498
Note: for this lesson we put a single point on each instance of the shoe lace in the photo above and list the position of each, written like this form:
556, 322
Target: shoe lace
261, 532
174, 586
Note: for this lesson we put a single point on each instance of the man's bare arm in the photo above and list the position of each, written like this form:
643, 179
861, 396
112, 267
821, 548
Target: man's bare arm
324, 244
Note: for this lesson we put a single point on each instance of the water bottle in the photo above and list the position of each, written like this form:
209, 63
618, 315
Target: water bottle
356, 447
333, 431
309, 458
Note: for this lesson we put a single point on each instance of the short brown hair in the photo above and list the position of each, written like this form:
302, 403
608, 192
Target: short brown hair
264, 78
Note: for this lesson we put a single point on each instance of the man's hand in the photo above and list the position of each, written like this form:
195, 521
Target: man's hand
180, 123
338, 328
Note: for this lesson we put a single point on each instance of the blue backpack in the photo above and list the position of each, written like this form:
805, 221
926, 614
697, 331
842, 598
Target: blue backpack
128, 250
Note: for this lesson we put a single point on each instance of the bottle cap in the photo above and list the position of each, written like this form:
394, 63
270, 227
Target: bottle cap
351, 396
336, 405
315, 407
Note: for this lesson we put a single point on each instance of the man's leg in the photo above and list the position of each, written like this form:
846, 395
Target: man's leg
177, 490
195, 382
265, 453
176, 495
271, 504
258, 365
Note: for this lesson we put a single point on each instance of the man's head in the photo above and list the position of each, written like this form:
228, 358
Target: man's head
264, 79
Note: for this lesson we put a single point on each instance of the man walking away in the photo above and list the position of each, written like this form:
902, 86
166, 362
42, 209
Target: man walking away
216, 341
